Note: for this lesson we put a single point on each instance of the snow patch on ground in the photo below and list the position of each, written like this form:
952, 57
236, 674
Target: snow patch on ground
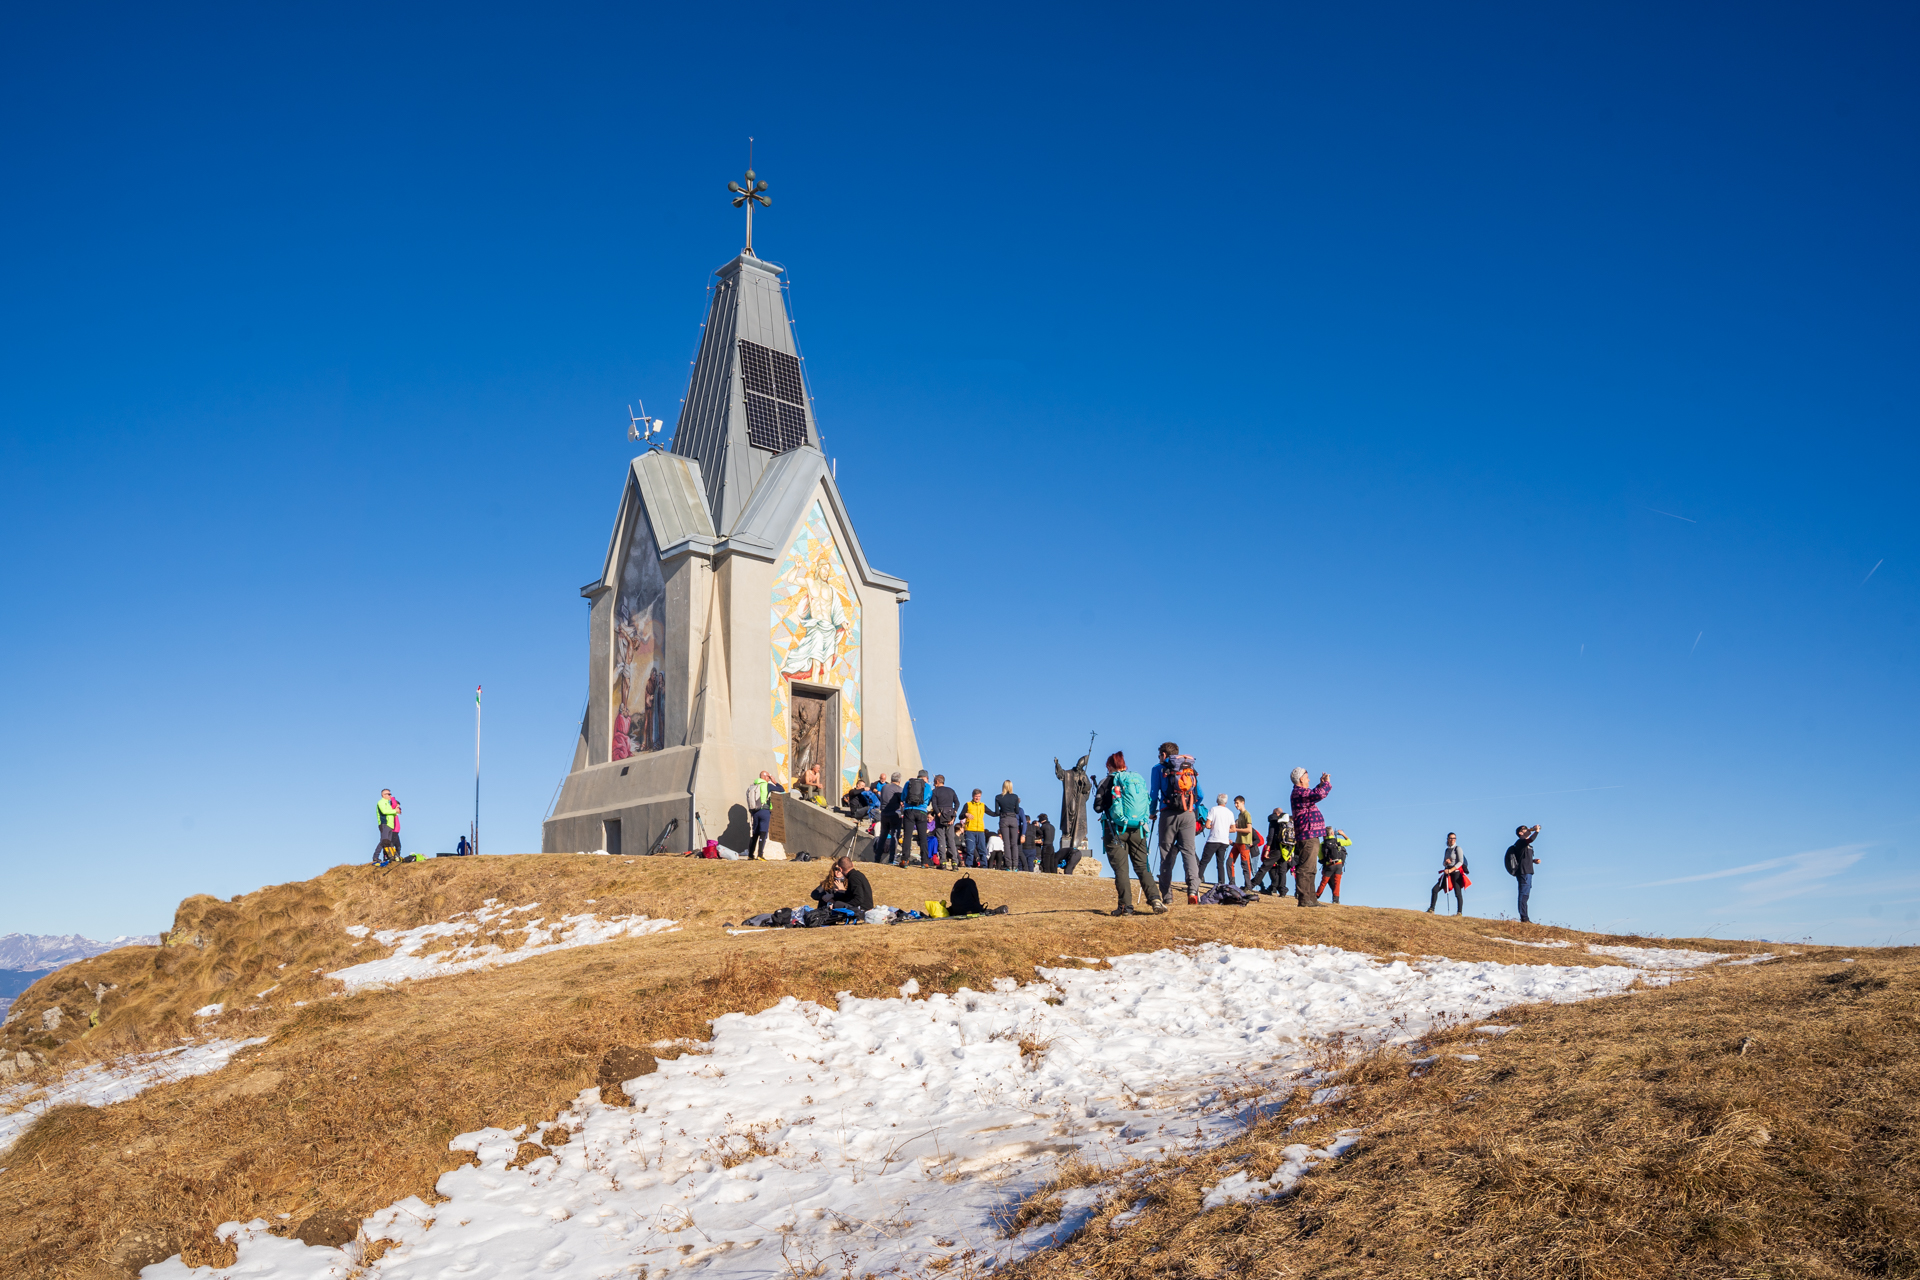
1518, 943
1762, 958
104, 1083
406, 964
897, 1132
1658, 957
1295, 1161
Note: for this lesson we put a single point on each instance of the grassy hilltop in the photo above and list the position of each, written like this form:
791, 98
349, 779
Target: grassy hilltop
1754, 1120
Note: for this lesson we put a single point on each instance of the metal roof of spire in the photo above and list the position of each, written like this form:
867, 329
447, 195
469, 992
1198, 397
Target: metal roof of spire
748, 306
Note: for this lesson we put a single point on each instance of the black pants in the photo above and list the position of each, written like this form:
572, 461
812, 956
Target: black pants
1049, 861
913, 829
389, 839
1440, 886
1072, 860
1129, 850
1010, 842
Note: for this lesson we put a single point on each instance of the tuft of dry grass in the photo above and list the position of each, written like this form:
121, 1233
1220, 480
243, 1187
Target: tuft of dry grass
351, 1103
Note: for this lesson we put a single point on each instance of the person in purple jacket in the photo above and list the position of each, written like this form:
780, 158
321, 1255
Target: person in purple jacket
1309, 829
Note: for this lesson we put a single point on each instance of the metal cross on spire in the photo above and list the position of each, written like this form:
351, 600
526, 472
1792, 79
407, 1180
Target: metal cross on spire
749, 195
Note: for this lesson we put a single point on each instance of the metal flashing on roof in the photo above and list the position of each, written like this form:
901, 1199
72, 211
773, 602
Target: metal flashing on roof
789, 483
665, 490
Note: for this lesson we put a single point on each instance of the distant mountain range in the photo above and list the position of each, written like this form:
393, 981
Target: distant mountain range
39, 952
25, 958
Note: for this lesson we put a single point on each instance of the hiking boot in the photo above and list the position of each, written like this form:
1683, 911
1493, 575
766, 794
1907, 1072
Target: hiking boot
1159, 908
1193, 899
1123, 911
1336, 899
1429, 910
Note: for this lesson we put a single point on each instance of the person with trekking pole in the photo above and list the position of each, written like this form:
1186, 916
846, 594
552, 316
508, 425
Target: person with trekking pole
1173, 788
1121, 802
1453, 877
1309, 828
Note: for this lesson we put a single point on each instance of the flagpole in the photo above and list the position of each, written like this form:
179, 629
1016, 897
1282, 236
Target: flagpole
476, 768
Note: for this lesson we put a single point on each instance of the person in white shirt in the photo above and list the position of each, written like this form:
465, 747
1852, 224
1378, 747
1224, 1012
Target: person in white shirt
1219, 836
996, 852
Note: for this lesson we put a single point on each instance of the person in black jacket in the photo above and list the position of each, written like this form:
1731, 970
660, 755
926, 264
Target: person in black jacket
946, 807
847, 886
1006, 806
1521, 862
1040, 837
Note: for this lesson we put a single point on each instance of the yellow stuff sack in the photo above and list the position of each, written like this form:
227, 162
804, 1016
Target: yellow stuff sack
938, 910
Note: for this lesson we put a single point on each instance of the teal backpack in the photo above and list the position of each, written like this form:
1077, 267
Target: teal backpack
1127, 803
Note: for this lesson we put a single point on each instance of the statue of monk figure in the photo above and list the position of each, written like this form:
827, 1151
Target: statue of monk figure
1075, 787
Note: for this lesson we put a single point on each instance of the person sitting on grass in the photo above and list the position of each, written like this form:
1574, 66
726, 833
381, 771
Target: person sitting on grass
845, 886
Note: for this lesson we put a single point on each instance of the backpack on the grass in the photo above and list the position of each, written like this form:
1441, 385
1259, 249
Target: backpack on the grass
965, 898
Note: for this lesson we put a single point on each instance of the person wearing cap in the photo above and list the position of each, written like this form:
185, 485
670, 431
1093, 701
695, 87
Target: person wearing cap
1521, 862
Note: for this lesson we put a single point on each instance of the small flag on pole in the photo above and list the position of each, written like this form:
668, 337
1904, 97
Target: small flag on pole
476, 695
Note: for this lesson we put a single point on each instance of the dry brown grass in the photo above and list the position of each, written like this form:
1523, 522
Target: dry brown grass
1750, 1122
351, 1104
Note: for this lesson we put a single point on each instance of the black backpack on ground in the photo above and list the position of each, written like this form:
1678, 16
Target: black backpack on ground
782, 918
965, 900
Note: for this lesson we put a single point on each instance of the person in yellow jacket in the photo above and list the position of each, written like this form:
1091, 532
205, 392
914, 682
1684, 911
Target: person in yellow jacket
387, 813
974, 830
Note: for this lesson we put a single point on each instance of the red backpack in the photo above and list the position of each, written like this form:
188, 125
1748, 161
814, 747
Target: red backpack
1180, 783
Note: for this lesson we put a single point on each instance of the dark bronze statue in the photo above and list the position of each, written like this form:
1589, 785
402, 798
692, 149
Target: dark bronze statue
1075, 787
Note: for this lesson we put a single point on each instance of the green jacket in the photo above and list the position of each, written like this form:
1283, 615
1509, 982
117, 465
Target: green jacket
388, 812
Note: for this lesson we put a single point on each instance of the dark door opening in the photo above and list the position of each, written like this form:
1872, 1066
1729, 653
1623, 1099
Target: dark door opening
612, 840
814, 737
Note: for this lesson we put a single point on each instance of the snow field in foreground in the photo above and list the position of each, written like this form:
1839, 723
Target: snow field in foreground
407, 964
99, 1085
898, 1132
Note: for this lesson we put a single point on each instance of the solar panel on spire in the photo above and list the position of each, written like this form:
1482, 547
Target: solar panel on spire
775, 398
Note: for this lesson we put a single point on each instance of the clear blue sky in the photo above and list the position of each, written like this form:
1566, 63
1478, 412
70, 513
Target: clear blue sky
1504, 408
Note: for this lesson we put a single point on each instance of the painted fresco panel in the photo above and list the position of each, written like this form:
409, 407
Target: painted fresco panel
639, 647
816, 640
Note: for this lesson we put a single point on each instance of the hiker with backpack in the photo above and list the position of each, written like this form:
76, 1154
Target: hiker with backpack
844, 884
386, 812
1453, 877
1173, 795
760, 799
916, 800
946, 807
1219, 824
1279, 850
1333, 864
1121, 801
1521, 862
1007, 809
1309, 828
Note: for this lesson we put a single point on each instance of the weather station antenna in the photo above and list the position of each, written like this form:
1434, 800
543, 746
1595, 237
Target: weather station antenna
639, 428
751, 193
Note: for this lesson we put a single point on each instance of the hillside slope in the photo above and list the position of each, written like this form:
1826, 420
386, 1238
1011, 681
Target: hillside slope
350, 1103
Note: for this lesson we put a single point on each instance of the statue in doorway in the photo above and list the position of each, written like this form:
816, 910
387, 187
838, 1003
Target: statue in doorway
809, 741
1075, 787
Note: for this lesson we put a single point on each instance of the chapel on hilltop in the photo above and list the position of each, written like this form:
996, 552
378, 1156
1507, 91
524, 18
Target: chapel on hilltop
736, 624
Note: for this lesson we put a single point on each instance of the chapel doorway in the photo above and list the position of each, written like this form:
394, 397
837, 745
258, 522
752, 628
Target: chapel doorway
814, 737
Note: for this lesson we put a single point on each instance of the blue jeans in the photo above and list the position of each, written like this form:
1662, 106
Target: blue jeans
1526, 890
976, 848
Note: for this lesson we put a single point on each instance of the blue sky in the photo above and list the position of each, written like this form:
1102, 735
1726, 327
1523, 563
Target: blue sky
1510, 410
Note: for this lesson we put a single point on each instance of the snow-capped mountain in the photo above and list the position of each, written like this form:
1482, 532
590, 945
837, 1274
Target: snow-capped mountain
35, 953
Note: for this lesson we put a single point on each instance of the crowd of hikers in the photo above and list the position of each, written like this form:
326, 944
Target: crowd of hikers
921, 821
